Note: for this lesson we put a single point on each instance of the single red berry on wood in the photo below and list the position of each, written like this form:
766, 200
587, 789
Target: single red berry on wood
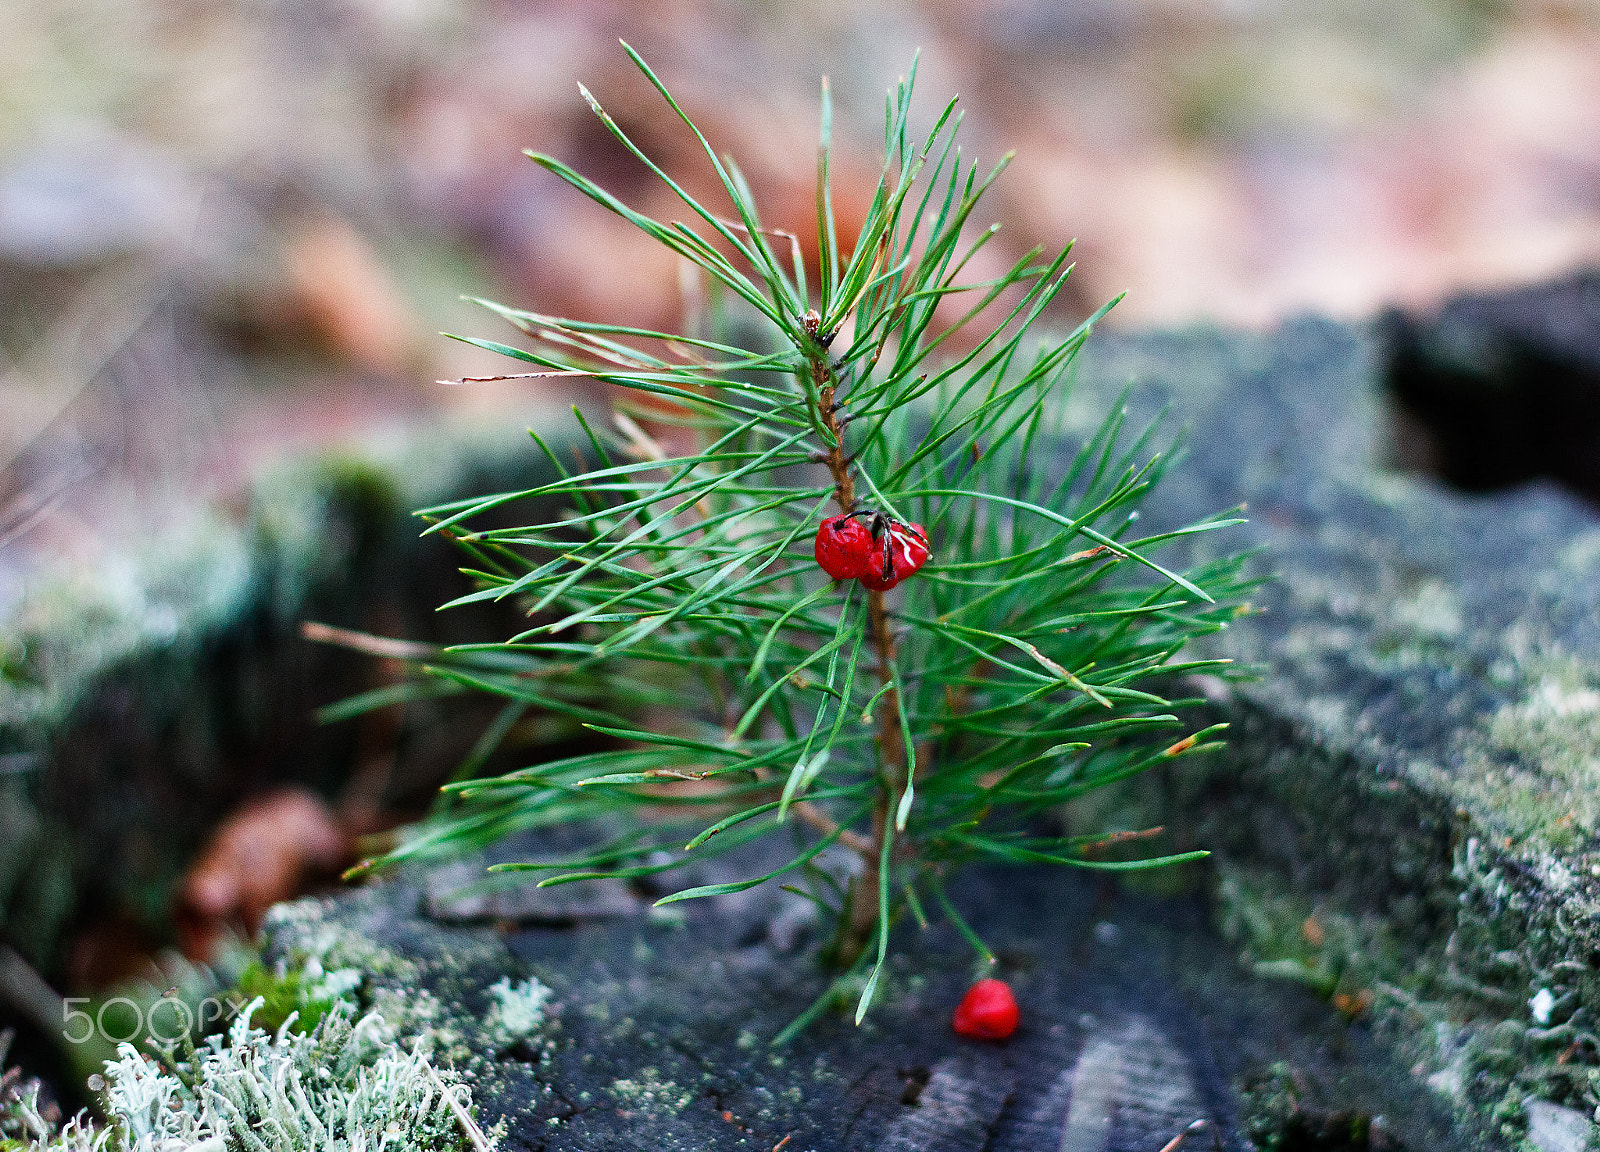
843, 547
987, 1012
898, 550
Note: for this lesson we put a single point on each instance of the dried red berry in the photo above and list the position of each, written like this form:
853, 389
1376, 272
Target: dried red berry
898, 550
843, 547
987, 1012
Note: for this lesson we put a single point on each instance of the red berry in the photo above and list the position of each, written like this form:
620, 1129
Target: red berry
987, 1012
898, 550
843, 547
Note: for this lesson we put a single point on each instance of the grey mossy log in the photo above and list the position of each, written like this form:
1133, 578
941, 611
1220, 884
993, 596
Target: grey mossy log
142, 698
1403, 816
1419, 762
642, 1030
1415, 770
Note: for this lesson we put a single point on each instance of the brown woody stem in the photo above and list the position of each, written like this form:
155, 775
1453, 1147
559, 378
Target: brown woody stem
861, 915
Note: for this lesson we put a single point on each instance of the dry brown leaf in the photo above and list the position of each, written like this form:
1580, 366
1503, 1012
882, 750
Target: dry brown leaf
268, 850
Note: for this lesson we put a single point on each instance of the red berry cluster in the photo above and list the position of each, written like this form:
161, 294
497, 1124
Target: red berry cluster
875, 549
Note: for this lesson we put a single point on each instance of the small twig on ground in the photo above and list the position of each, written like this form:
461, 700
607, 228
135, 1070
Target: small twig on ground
1193, 1129
384, 646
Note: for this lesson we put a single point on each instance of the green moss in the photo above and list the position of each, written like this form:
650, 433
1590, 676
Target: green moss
1285, 936
1497, 1012
306, 993
312, 523
1279, 1115
1534, 765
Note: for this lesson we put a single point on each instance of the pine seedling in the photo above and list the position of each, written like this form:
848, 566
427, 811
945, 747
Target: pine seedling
874, 609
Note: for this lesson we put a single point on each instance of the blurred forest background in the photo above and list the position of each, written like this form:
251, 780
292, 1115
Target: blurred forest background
230, 227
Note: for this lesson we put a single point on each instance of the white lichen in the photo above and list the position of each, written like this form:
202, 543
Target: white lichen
344, 1086
329, 985
1540, 1007
648, 1092
518, 1009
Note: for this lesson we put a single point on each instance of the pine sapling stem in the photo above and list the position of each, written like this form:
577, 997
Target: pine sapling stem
861, 917
825, 824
